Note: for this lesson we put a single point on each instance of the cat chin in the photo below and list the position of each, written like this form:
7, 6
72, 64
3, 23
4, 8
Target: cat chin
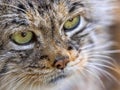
33, 81
74, 82
59, 85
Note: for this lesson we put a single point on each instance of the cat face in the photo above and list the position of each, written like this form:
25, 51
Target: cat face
44, 42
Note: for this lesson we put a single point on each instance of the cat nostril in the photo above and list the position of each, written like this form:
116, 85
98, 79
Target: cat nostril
70, 48
61, 62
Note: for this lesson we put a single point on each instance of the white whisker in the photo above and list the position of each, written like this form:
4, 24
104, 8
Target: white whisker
108, 52
103, 66
97, 47
102, 58
7, 82
20, 81
32, 84
87, 47
102, 72
101, 51
96, 76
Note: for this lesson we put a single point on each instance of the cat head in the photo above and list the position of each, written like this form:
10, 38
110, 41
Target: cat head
44, 41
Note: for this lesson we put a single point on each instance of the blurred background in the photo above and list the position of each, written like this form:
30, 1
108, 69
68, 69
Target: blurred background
115, 32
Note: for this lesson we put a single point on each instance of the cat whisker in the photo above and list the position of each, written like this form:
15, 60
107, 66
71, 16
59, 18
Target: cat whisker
105, 66
97, 47
96, 76
101, 51
27, 83
101, 71
12, 81
23, 80
27, 79
106, 59
103, 62
87, 47
32, 84
3, 79
108, 52
19, 81
84, 73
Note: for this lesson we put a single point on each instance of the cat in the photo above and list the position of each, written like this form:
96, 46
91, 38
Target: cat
58, 45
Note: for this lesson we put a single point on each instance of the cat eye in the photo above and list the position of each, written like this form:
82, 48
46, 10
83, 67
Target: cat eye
71, 23
22, 38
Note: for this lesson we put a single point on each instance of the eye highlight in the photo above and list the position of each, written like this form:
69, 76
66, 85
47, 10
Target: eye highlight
22, 38
71, 23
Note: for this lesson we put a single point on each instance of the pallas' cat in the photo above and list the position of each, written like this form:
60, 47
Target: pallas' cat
57, 45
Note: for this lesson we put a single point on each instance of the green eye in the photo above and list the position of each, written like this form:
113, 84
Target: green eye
71, 23
22, 38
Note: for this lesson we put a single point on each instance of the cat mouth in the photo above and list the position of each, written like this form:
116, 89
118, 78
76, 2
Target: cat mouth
57, 79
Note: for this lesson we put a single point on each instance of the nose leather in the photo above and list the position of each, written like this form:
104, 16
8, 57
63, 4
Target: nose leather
61, 62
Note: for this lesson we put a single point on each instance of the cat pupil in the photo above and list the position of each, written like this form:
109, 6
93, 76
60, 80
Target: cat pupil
23, 34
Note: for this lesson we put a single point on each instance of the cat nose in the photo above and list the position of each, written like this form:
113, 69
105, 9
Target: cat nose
61, 62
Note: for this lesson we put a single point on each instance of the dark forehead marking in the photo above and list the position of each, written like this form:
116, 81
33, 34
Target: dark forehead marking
21, 8
20, 22
30, 4
46, 4
44, 7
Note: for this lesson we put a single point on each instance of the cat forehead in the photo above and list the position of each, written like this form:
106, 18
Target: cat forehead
51, 7
44, 11
47, 13
45, 5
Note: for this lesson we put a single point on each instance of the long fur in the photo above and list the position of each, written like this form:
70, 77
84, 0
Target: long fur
92, 64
